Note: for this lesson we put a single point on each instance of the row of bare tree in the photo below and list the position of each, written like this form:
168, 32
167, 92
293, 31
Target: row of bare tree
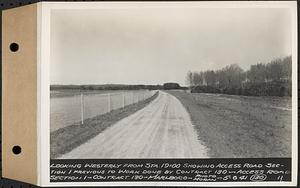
233, 76
270, 79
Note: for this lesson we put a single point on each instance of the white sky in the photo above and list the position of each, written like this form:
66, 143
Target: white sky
157, 45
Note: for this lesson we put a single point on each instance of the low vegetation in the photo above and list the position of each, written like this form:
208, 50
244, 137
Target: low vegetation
110, 87
91, 87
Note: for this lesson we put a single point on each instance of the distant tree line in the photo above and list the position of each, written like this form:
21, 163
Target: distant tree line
270, 79
116, 87
105, 87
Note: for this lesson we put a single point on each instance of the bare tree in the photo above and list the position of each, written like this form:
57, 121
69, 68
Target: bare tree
189, 79
210, 77
198, 78
258, 73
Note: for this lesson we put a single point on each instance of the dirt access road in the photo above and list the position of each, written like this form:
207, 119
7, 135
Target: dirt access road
163, 129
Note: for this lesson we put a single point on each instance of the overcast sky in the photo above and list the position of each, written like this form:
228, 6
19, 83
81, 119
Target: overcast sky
153, 46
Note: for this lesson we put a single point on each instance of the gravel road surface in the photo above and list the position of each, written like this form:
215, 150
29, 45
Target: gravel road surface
163, 129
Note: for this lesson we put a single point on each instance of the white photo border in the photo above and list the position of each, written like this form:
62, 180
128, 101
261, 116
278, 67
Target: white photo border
44, 16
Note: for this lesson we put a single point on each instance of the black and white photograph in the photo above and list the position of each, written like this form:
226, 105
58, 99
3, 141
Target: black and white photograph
150, 93
171, 82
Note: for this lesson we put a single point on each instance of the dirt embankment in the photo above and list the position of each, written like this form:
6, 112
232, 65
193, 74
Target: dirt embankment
236, 126
66, 139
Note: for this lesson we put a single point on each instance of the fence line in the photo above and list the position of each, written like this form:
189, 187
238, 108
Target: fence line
139, 97
66, 111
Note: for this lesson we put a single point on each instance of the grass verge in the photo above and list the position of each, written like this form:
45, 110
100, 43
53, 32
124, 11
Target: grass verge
66, 139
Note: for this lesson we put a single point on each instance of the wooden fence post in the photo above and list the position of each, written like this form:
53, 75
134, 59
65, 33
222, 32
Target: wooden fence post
82, 107
109, 104
123, 95
132, 98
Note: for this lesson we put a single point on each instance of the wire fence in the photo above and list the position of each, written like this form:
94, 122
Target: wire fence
68, 110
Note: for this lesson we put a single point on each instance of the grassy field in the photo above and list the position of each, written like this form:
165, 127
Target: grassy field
67, 138
239, 126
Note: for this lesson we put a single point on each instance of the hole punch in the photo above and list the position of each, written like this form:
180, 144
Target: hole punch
14, 47
16, 150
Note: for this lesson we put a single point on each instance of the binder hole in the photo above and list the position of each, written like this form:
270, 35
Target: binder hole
14, 47
16, 150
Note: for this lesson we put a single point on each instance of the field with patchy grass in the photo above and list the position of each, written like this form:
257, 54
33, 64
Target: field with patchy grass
239, 126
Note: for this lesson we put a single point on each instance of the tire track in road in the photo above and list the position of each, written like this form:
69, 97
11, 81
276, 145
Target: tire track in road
162, 129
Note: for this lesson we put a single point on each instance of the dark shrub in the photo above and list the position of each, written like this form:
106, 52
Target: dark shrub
275, 88
171, 86
205, 89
